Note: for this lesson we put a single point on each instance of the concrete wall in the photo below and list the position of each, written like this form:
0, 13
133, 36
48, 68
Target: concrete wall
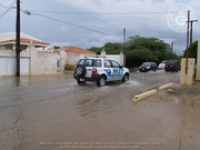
8, 62
2, 47
12, 53
73, 58
70, 58
33, 62
187, 73
118, 57
198, 63
43, 62
62, 60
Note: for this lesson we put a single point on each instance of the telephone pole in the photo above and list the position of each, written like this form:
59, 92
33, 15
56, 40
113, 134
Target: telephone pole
187, 42
191, 30
124, 36
172, 46
18, 39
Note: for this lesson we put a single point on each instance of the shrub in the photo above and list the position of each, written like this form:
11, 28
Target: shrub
69, 67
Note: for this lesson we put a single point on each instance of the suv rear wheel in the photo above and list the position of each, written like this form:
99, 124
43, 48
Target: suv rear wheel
101, 81
80, 71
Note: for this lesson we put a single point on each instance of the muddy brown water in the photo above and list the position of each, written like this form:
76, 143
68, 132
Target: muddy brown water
53, 113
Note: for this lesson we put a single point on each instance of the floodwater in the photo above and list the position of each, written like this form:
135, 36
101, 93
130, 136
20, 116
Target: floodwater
54, 113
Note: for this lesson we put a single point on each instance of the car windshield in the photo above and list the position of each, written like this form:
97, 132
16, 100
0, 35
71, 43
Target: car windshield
171, 61
163, 62
146, 64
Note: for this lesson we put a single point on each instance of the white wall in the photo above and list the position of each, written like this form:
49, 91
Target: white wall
8, 62
36, 62
43, 62
118, 57
32, 62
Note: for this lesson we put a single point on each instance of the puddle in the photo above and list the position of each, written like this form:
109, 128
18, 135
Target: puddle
132, 82
189, 98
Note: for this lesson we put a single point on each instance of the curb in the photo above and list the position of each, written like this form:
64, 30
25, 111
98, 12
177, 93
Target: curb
144, 95
166, 86
141, 96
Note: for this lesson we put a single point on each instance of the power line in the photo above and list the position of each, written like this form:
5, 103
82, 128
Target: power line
75, 25
58, 8
95, 13
85, 13
50, 5
46, 4
4, 1
55, 6
3, 14
8, 9
3, 5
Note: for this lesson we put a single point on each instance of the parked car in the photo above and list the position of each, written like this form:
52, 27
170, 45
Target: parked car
172, 65
162, 65
100, 70
147, 66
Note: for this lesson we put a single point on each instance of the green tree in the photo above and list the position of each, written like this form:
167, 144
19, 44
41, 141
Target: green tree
96, 49
56, 47
139, 49
193, 50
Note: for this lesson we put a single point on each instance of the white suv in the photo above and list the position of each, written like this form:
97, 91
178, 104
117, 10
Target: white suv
100, 70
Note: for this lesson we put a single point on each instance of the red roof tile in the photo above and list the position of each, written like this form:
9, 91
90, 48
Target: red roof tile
73, 49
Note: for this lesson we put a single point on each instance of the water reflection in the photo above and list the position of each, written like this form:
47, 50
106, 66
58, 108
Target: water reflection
17, 83
187, 97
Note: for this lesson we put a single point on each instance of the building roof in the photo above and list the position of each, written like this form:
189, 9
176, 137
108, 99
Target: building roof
28, 41
9, 38
12, 35
74, 49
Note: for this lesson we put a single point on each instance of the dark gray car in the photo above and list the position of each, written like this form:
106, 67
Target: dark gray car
147, 66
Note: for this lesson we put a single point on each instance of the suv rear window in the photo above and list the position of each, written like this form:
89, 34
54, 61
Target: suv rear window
90, 62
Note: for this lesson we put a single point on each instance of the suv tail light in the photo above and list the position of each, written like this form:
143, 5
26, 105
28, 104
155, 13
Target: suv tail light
94, 71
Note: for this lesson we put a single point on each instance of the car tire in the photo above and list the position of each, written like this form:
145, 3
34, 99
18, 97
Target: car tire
101, 81
125, 78
154, 69
80, 71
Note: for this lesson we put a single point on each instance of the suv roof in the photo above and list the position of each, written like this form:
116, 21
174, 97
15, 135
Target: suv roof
98, 58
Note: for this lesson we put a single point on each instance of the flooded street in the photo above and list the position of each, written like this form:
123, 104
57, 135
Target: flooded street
54, 113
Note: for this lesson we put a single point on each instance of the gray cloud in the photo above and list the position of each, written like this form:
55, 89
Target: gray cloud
87, 23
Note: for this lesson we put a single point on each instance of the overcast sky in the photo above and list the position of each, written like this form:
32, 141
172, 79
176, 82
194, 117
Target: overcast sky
87, 23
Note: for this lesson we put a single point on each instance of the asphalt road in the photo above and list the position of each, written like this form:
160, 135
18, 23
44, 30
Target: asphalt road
53, 113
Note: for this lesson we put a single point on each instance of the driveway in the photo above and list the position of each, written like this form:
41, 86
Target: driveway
54, 112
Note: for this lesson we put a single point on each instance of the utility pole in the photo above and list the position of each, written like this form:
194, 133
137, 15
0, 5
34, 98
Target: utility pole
172, 45
18, 39
124, 36
188, 35
191, 30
